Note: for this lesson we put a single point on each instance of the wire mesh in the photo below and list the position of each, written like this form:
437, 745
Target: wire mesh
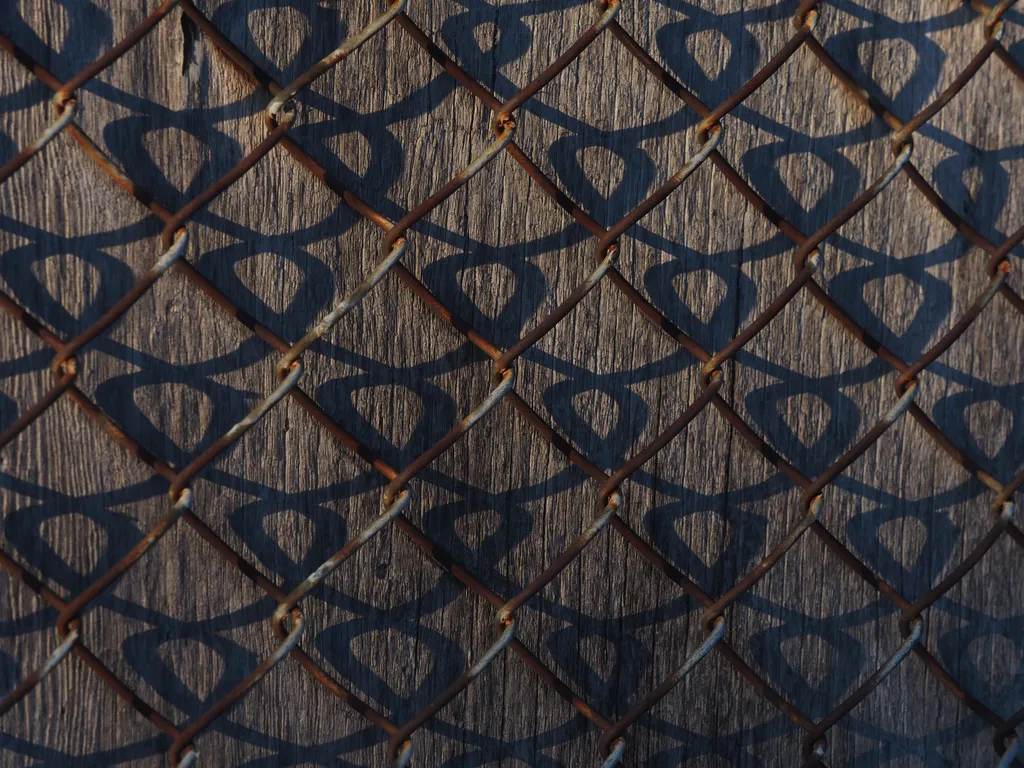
281, 114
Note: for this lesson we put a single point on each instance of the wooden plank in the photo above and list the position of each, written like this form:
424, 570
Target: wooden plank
184, 626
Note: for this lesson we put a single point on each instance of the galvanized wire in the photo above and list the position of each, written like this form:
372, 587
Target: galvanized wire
809, 255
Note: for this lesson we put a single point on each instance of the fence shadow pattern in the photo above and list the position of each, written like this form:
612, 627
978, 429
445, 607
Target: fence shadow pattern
398, 495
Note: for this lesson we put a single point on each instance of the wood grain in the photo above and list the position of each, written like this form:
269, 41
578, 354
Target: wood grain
184, 626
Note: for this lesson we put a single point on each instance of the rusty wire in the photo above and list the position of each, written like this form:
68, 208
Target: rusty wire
287, 623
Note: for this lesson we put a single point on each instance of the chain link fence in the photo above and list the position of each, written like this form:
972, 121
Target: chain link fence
609, 489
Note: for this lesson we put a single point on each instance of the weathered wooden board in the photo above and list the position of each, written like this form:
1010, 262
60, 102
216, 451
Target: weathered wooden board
184, 627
